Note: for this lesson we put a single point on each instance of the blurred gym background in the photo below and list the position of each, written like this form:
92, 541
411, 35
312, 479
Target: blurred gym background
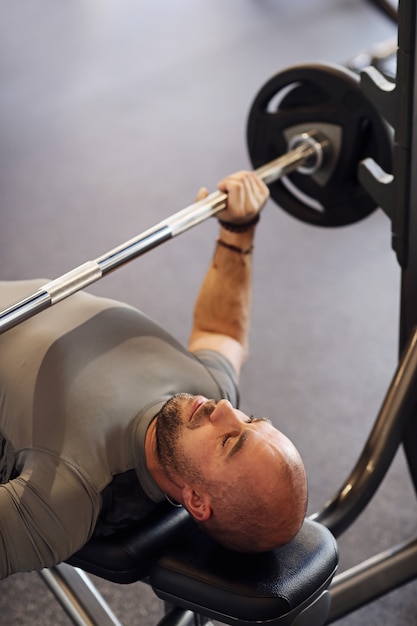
112, 115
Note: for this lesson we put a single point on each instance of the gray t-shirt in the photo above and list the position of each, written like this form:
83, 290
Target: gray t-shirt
79, 385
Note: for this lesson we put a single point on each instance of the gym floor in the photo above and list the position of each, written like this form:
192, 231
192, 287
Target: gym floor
112, 115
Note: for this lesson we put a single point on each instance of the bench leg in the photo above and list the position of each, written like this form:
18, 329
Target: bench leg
78, 596
175, 616
85, 606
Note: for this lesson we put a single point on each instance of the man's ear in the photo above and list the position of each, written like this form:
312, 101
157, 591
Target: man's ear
198, 504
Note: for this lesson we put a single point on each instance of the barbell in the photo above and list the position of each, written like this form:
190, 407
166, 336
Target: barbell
317, 118
307, 151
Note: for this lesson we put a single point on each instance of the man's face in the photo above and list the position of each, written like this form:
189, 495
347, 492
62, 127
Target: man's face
207, 440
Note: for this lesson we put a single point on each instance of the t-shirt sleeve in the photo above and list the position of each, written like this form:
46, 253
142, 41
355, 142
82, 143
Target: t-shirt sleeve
222, 371
46, 514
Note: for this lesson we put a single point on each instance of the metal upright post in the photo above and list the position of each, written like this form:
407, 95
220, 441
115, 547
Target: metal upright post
407, 77
397, 191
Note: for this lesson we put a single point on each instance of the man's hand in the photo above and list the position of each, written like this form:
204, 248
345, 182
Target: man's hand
246, 197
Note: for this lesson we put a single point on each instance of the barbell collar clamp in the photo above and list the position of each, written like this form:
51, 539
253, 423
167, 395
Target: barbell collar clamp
320, 148
306, 154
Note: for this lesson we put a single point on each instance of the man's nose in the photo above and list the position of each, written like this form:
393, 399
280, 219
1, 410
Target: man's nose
223, 411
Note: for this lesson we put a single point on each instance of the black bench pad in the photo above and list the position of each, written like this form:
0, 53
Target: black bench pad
204, 577
188, 569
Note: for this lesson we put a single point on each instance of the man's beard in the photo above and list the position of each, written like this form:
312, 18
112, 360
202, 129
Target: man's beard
169, 427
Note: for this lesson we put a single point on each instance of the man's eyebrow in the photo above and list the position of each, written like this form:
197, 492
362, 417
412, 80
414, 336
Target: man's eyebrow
239, 444
243, 437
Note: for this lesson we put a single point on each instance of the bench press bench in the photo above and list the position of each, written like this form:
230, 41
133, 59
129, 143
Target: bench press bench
198, 579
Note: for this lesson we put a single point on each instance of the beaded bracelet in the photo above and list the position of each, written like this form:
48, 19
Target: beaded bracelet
240, 228
229, 246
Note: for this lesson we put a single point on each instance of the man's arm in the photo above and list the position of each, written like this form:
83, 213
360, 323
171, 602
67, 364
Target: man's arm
222, 310
46, 514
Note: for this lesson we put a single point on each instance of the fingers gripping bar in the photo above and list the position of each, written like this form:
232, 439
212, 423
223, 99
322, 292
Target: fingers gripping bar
305, 154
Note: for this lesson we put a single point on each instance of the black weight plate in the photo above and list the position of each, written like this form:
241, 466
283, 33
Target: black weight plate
308, 96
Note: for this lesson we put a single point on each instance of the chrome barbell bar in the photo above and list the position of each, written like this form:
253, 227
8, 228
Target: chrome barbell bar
306, 153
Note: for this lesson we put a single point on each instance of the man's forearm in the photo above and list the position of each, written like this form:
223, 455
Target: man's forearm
224, 303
